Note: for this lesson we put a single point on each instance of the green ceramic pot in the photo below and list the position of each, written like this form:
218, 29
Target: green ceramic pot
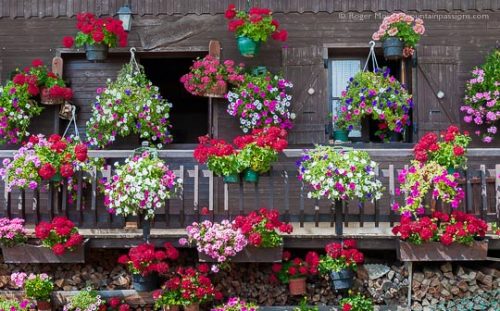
57, 177
451, 170
231, 179
250, 176
248, 47
341, 135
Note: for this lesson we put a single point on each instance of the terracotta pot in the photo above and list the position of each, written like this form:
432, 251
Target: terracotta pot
217, 91
192, 307
43, 305
171, 308
297, 286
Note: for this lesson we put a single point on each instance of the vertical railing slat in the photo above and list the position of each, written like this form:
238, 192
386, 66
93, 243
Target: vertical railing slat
271, 190
362, 215
36, 205
64, 199
226, 200
22, 203
51, 201
301, 204
79, 197
211, 193
375, 201
484, 194
392, 193
287, 196
316, 212
196, 199
257, 195
106, 175
93, 199
468, 191
497, 192
241, 198
182, 213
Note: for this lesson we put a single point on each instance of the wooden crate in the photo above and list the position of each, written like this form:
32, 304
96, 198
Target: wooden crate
252, 254
28, 253
435, 251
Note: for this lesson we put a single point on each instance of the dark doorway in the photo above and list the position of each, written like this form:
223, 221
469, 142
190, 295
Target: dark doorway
189, 114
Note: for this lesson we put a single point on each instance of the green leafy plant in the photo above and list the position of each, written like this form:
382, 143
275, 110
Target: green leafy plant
220, 156
164, 297
356, 302
13, 304
39, 287
340, 256
108, 31
303, 306
85, 300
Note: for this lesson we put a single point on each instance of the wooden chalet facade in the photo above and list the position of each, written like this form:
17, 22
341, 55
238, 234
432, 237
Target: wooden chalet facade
169, 34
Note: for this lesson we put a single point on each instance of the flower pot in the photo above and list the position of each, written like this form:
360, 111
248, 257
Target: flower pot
28, 253
43, 305
96, 52
247, 46
57, 177
297, 286
395, 137
192, 307
231, 179
146, 283
171, 308
436, 251
45, 98
217, 91
451, 170
250, 176
341, 135
393, 48
342, 279
258, 71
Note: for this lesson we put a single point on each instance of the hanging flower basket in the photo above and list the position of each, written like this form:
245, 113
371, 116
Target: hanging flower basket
28, 253
393, 48
46, 99
248, 47
218, 91
96, 52
436, 251
146, 283
250, 176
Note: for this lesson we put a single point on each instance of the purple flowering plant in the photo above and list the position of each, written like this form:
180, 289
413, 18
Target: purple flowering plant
14, 304
236, 304
261, 101
219, 241
12, 232
379, 96
422, 178
482, 97
131, 104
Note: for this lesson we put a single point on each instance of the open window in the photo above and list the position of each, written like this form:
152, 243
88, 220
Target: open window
343, 63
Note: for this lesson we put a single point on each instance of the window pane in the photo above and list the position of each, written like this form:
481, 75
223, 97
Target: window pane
341, 71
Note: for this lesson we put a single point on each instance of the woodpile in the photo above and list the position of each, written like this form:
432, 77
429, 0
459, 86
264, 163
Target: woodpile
434, 285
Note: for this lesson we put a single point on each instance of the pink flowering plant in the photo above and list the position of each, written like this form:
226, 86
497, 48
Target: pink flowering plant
140, 186
403, 26
236, 304
219, 241
339, 174
482, 97
379, 96
13, 304
209, 75
422, 178
131, 104
36, 286
12, 232
261, 101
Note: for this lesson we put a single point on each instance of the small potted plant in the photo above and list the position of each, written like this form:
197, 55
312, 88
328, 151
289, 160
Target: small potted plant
295, 271
356, 302
117, 304
140, 186
85, 300
193, 286
97, 35
261, 228
167, 299
399, 33
14, 304
220, 157
450, 152
259, 150
217, 242
424, 178
482, 95
145, 263
262, 101
131, 104
210, 77
236, 304
340, 129
380, 97
340, 261
446, 237
12, 232
38, 287
253, 27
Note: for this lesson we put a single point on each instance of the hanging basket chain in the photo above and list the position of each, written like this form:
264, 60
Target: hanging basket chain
72, 121
133, 61
371, 57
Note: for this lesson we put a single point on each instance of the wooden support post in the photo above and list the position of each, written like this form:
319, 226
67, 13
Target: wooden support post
339, 230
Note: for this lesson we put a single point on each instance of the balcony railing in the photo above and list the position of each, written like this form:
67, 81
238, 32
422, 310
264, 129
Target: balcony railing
280, 189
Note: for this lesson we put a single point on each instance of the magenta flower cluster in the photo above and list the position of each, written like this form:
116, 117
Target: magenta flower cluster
12, 231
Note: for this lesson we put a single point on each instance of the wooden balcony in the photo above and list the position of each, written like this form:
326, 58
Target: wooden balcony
316, 221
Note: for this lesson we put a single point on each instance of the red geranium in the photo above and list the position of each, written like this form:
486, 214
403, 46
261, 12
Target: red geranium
144, 259
47, 171
296, 268
260, 227
342, 255
60, 235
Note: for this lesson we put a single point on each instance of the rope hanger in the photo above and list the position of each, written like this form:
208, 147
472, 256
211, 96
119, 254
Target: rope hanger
72, 120
133, 61
371, 57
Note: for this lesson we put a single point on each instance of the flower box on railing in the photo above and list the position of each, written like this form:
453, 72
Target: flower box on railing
436, 251
251, 254
28, 253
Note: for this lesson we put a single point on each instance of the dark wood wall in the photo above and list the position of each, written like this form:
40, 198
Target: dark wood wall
447, 53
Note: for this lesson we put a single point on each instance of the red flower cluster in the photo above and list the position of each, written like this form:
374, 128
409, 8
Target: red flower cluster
255, 15
346, 251
106, 30
211, 148
57, 92
296, 268
456, 227
428, 147
65, 152
260, 227
145, 259
272, 137
193, 284
115, 304
347, 307
60, 235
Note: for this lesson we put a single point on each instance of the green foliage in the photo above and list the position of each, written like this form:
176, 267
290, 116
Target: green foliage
85, 300
256, 31
328, 264
225, 165
39, 288
445, 155
259, 159
169, 298
304, 307
13, 304
357, 302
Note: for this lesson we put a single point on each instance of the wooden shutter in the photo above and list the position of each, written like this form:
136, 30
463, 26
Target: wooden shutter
304, 68
437, 71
